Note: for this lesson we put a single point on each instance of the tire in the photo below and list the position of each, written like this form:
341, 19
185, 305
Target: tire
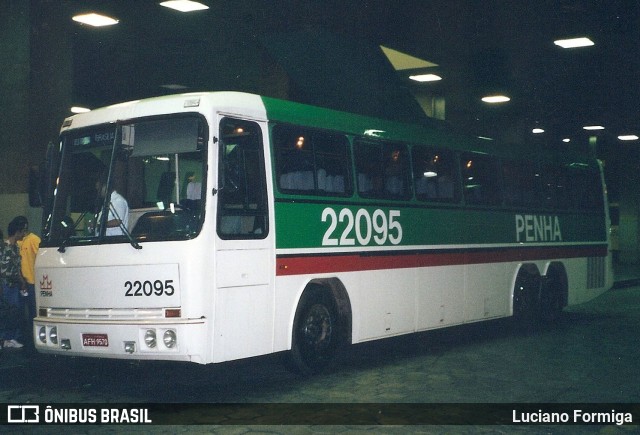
316, 335
526, 300
552, 301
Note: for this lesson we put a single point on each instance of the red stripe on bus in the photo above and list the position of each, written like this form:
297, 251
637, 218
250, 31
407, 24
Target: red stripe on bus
332, 263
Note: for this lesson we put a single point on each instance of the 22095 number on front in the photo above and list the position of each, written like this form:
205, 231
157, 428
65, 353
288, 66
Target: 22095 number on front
149, 288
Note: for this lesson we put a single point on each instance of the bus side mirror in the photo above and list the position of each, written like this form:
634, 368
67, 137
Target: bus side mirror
36, 185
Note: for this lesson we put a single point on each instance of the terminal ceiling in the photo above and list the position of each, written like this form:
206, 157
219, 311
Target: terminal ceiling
329, 52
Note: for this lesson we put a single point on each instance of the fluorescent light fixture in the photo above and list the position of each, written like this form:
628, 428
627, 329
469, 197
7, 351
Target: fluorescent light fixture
537, 131
493, 99
95, 20
77, 109
374, 133
574, 42
628, 137
426, 78
174, 87
593, 127
184, 5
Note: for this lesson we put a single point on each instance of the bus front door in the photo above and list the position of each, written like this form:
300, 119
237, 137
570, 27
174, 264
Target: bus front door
243, 325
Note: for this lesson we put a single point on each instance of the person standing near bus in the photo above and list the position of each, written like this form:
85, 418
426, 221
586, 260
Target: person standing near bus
28, 250
11, 276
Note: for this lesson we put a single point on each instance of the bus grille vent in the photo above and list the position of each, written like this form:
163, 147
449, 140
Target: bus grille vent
595, 272
106, 313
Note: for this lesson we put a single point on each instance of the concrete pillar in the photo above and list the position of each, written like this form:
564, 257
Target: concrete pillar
35, 94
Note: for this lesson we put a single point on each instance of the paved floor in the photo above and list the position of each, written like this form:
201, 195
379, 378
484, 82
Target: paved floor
591, 356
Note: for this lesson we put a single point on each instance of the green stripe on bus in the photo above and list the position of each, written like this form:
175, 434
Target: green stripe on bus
303, 224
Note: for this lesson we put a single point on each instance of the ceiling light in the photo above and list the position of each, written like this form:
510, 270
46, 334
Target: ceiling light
628, 137
184, 5
574, 42
77, 109
537, 131
492, 99
593, 127
426, 78
95, 20
566, 140
174, 87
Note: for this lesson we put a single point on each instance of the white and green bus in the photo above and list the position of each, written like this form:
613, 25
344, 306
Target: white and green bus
254, 225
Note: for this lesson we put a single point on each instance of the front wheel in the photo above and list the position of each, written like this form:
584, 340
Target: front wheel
315, 333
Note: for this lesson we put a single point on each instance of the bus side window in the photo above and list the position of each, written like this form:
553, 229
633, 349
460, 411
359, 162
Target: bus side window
434, 172
242, 201
553, 187
480, 179
522, 186
584, 187
382, 169
311, 162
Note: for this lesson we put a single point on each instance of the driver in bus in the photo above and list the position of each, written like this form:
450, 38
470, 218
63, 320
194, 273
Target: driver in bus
118, 211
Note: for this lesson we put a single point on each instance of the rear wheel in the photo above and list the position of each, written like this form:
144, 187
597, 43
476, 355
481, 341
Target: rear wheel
315, 333
553, 298
526, 299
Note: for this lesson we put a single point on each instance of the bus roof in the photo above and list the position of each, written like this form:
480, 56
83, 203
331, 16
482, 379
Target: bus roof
426, 131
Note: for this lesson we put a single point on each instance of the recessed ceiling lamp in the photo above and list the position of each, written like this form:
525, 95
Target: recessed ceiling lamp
537, 130
426, 77
628, 137
184, 5
566, 140
574, 42
593, 127
77, 109
493, 99
95, 20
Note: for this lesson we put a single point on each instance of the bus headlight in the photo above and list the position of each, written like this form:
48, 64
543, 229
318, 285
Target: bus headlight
150, 338
169, 338
42, 334
53, 335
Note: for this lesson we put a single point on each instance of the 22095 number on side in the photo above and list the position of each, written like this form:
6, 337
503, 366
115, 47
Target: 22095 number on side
364, 227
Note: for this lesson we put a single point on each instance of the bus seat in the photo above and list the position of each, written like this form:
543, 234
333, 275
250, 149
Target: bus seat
426, 188
322, 180
303, 180
445, 188
230, 225
338, 184
364, 183
165, 187
285, 181
393, 185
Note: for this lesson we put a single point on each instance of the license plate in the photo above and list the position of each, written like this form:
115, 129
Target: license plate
99, 340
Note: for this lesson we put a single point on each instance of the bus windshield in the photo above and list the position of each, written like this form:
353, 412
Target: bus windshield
129, 182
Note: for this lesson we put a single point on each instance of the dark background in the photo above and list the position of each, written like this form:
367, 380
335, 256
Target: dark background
328, 53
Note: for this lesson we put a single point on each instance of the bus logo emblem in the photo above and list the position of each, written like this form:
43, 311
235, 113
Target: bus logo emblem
46, 286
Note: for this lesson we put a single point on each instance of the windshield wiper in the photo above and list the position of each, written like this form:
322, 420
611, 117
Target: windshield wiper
123, 228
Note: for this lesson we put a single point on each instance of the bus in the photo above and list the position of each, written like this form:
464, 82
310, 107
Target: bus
252, 225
